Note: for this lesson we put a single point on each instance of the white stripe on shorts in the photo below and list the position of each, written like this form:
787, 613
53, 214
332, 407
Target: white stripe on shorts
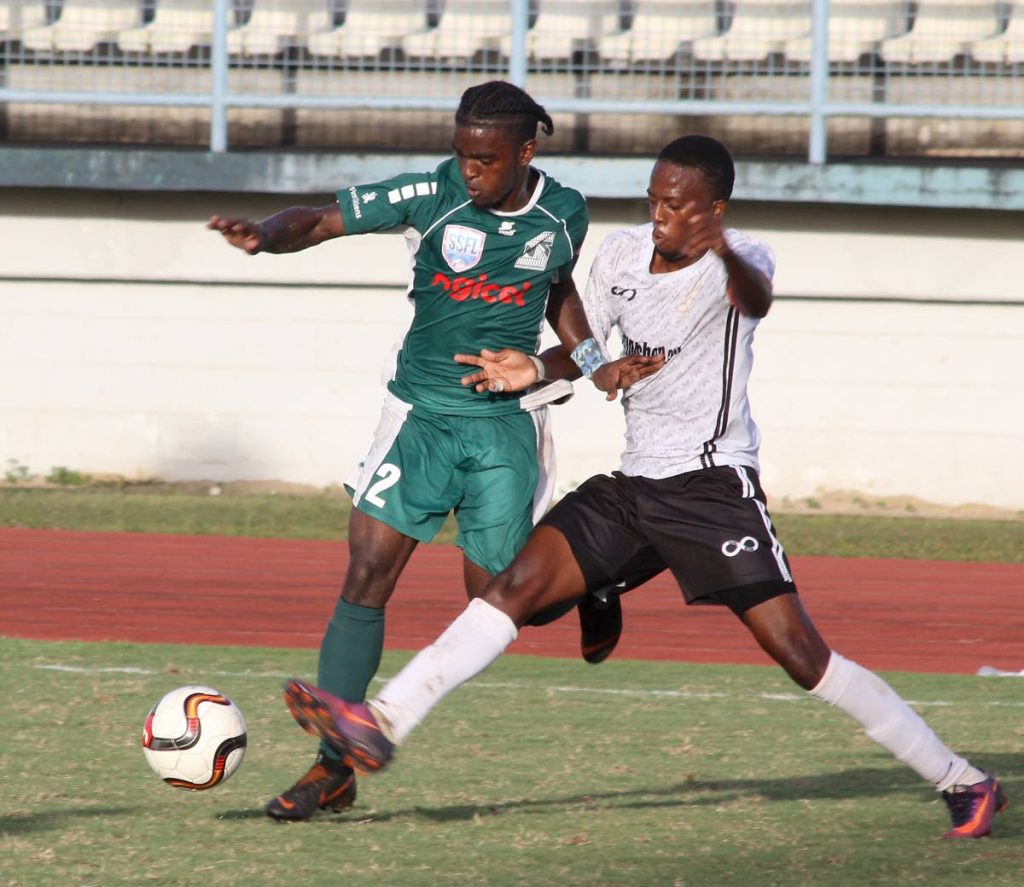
545, 488
745, 481
392, 417
777, 551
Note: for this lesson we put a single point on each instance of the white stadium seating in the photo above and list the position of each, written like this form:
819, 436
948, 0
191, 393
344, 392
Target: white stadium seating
466, 26
369, 27
658, 29
942, 30
758, 29
17, 15
275, 25
177, 26
1007, 47
564, 26
855, 27
82, 25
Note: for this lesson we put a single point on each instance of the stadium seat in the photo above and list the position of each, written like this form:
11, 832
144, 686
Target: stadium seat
276, 25
855, 27
658, 29
369, 27
177, 26
82, 25
758, 29
1006, 48
17, 15
466, 27
377, 128
565, 26
942, 30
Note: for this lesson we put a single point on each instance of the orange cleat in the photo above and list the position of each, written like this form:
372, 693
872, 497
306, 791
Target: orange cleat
973, 807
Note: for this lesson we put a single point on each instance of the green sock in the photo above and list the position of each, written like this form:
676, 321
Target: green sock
350, 653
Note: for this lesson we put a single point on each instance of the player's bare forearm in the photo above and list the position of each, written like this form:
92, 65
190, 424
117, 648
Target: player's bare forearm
566, 315
509, 370
558, 364
288, 231
749, 290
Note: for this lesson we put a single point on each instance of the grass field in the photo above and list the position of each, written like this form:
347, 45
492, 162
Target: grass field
324, 516
541, 772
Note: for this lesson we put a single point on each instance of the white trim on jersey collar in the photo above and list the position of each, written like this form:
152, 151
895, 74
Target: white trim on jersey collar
530, 204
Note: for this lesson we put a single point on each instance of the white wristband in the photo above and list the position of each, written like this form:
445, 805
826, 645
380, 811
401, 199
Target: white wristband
539, 364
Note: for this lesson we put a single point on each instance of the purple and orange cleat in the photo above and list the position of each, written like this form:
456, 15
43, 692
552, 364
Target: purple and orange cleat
973, 807
349, 728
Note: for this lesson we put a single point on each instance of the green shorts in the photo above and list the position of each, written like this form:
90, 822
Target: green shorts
489, 470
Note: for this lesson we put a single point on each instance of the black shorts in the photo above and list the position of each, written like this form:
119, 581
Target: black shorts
710, 527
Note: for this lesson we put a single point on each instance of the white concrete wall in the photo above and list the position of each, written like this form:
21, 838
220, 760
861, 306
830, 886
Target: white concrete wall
134, 342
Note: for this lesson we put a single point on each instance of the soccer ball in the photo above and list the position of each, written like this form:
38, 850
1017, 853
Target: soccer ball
194, 738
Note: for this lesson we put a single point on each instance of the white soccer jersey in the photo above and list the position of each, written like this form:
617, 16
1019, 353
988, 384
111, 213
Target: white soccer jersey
693, 413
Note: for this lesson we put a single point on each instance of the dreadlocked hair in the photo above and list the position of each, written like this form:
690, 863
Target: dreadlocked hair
498, 103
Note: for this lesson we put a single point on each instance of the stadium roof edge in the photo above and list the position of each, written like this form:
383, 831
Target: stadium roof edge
880, 183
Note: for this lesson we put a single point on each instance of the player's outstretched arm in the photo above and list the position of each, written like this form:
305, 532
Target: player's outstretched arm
511, 370
749, 290
569, 320
288, 231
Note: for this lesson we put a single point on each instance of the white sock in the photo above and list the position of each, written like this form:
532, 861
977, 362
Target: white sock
470, 644
893, 724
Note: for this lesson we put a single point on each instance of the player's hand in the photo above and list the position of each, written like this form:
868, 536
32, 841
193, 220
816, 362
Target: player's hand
704, 231
506, 370
240, 233
624, 372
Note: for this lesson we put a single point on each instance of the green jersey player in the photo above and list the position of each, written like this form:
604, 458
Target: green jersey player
481, 276
493, 242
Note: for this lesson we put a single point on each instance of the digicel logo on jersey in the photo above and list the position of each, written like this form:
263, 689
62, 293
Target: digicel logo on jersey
462, 288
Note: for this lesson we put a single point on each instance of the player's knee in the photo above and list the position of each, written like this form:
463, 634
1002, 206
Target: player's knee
805, 660
368, 583
516, 592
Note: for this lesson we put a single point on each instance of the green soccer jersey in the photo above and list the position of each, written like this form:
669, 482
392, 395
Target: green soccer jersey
480, 278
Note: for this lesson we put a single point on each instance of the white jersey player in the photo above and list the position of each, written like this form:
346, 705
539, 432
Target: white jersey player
693, 413
687, 497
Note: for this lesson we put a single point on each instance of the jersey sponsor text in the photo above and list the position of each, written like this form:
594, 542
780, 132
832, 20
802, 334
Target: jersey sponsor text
462, 288
630, 348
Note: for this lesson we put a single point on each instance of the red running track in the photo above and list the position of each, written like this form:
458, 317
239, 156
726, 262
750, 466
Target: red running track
888, 614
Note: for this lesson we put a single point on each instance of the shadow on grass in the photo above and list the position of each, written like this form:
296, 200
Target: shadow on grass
48, 820
861, 783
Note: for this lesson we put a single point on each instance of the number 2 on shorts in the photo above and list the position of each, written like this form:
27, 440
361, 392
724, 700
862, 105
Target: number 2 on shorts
389, 475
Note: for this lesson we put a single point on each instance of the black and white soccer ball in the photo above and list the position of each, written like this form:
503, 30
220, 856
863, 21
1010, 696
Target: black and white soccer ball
194, 738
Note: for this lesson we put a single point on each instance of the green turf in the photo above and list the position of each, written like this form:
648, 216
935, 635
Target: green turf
325, 516
541, 772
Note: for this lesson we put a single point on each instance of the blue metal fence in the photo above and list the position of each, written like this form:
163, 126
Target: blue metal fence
813, 78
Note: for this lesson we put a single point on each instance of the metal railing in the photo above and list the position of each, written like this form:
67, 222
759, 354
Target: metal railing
814, 77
